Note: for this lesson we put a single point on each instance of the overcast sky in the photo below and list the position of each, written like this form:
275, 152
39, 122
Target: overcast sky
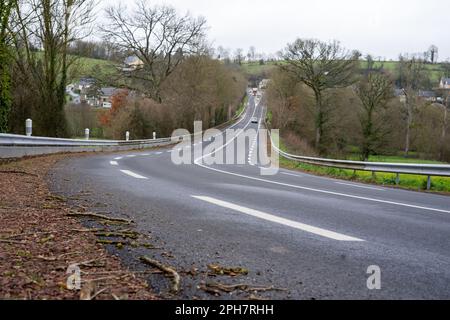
383, 28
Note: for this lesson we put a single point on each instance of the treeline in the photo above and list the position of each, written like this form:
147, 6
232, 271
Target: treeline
200, 89
328, 105
174, 79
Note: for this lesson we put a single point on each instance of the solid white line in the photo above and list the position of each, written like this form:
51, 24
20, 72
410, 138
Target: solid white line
358, 186
326, 192
113, 163
272, 218
134, 175
291, 174
197, 162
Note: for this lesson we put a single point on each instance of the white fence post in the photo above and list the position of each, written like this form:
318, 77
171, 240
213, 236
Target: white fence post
29, 127
154, 135
127, 136
86, 133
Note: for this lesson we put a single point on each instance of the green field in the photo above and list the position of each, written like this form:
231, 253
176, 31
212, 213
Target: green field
87, 67
436, 70
395, 159
254, 68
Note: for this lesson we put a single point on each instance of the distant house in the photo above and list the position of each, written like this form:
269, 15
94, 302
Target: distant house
264, 83
132, 63
400, 93
445, 83
430, 96
105, 100
84, 83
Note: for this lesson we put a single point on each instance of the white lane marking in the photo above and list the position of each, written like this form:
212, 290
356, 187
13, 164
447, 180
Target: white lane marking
231, 140
292, 175
170, 151
118, 158
197, 162
146, 154
358, 186
272, 218
158, 153
131, 156
325, 191
134, 175
113, 163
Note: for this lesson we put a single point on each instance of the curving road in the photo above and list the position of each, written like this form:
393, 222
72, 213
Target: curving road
314, 236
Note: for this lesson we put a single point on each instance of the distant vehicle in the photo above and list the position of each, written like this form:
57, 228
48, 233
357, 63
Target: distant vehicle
255, 120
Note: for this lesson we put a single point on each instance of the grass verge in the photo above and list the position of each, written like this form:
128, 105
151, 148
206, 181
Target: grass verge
410, 182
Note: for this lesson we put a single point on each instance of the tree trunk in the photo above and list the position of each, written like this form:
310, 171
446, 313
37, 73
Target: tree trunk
443, 135
319, 121
409, 121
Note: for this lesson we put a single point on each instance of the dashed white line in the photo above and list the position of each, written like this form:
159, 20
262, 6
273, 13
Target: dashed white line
359, 186
158, 153
272, 218
114, 163
118, 158
134, 175
131, 156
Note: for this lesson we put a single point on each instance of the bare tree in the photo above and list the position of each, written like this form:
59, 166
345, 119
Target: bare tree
239, 56
158, 36
374, 91
412, 74
44, 30
433, 52
320, 66
251, 55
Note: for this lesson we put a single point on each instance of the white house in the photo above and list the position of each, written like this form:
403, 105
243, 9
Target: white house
445, 83
132, 63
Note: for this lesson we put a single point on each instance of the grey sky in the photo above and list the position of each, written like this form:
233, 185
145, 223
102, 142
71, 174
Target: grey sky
383, 28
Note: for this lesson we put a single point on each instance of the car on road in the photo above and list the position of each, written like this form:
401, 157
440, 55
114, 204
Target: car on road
255, 120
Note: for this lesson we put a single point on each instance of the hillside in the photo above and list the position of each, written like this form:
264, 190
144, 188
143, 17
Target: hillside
256, 69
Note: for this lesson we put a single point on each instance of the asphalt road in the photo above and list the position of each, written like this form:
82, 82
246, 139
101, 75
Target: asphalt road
314, 236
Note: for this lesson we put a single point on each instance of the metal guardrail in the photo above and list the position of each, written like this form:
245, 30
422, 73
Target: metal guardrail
429, 170
12, 140
16, 146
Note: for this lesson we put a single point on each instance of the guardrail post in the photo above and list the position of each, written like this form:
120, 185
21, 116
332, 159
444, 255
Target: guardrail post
397, 179
86, 133
127, 136
429, 183
154, 135
29, 127
374, 175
